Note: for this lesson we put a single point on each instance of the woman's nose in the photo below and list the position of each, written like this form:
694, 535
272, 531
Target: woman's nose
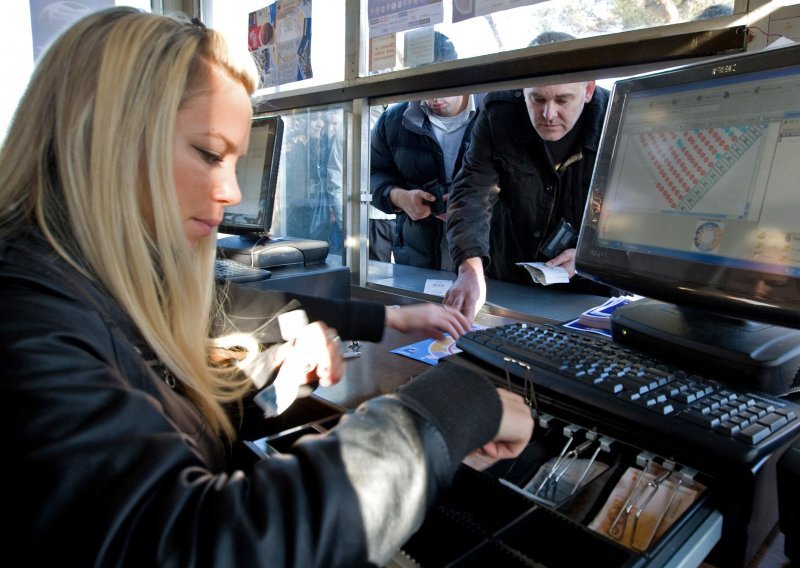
228, 193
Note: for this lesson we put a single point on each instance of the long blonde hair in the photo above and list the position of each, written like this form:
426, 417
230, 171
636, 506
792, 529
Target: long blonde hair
90, 150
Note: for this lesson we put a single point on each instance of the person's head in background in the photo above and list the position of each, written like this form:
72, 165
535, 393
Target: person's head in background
122, 153
333, 121
555, 109
548, 37
443, 50
715, 11
316, 122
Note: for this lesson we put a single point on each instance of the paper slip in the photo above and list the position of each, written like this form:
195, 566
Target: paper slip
637, 514
545, 275
437, 287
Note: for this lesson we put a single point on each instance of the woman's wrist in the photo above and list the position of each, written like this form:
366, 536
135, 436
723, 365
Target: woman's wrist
392, 316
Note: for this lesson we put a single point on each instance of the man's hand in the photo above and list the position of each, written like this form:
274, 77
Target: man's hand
565, 260
414, 202
468, 292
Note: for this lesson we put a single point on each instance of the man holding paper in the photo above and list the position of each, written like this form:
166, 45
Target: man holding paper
520, 193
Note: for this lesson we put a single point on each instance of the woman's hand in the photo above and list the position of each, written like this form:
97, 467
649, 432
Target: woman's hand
432, 320
516, 428
313, 356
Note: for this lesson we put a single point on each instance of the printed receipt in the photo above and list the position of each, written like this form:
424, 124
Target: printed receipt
545, 275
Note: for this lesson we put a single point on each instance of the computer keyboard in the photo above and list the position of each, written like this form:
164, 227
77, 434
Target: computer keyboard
227, 269
730, 422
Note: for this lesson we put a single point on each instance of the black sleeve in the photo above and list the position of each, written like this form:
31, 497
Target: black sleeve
248, 309
473, 195
384, 174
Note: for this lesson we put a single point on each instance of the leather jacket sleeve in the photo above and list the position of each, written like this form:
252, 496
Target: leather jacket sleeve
108, 466
248, 308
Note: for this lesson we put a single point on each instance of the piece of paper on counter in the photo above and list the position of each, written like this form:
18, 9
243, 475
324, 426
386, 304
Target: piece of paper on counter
437, 287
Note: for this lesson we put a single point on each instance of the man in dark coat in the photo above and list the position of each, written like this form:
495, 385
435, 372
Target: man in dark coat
527, 170
417, 148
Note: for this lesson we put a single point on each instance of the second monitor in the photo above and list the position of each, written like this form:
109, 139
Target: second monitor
249, 222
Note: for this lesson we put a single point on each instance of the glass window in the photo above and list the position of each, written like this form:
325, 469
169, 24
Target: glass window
465, 31
26, 29
398, 247
311, 177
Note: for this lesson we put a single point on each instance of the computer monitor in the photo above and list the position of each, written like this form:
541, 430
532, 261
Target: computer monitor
257, 174
695, 202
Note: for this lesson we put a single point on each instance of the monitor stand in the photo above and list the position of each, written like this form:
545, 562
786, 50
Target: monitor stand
751, 354
264, 251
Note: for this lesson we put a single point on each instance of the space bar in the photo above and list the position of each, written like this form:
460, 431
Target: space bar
525, 356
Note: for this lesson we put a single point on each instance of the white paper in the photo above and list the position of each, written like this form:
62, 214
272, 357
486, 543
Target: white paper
393, 16
545, 275
419, 47
437, 287
382, 52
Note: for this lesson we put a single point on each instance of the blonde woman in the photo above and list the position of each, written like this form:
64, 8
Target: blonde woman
119, 424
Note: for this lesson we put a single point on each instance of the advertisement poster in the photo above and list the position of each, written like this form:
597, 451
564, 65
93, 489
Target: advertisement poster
393, 16
465, 9
382, 52
279, 36
49, 18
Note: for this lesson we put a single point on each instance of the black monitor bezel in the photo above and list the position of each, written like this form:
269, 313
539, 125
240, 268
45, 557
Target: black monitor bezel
728, 291
260, 224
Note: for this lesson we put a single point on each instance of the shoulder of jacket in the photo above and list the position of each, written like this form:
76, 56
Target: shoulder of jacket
602, 94
392, 115
513, 96
396, 110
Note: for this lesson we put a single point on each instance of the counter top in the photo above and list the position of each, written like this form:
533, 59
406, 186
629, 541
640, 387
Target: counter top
517, 301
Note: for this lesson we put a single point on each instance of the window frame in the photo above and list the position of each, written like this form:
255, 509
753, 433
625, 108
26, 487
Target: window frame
592, 58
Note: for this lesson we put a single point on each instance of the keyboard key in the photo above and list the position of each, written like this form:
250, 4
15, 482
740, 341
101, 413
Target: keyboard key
728, 428
753, 433
773, 421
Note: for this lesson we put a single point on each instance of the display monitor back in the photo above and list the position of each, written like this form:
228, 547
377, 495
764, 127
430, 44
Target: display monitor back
257, 175
695, 198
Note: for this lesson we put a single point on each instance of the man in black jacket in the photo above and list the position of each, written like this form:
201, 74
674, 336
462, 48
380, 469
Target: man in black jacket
527, 170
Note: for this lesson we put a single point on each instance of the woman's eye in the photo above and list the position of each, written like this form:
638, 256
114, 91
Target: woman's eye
209, 157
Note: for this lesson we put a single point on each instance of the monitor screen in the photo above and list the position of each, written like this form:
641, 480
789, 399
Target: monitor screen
257, 174
695, 197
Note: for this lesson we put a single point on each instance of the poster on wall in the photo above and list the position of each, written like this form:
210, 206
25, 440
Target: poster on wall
393, 16
49, 18
382, 52
465, 9
279, 36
